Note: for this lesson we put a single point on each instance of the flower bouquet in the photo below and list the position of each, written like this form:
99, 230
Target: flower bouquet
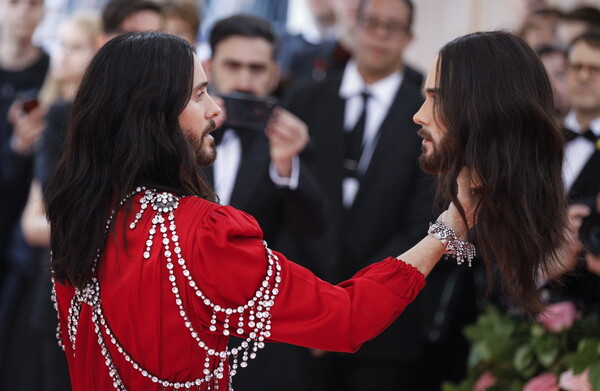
560, 351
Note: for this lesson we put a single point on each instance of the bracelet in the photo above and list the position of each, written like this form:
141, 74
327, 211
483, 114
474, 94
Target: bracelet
460, 250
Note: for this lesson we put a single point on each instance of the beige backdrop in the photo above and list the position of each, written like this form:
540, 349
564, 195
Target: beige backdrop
439, 21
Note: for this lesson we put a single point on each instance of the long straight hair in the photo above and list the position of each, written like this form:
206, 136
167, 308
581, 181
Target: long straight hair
496, 103
124, 132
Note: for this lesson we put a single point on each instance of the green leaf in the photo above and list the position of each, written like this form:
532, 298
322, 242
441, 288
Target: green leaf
516, 385
537, 330
595, 375
546, 349
587, 352
523, 359
450, 387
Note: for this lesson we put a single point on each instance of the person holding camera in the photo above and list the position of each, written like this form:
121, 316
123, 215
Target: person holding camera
259, 170
581, 168
23, 67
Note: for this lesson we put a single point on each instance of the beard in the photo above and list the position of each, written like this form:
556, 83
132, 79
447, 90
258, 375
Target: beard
434, 161
431, 163
204, 149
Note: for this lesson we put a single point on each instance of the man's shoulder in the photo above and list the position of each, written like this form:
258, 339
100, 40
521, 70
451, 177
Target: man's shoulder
409, 91
196, 212
315, 91
195, 204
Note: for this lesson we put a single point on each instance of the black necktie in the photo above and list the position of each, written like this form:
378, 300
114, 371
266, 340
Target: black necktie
354, 138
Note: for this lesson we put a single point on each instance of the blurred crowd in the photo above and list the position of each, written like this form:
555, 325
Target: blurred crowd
317, 142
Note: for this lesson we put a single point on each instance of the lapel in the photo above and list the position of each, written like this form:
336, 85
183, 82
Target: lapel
333, 138
587, 183
396, 130
253, 166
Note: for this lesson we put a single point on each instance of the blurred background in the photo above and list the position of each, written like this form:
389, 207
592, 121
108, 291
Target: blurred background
436, 21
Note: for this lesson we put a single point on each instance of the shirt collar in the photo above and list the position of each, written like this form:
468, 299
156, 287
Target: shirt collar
571, 123
383, 90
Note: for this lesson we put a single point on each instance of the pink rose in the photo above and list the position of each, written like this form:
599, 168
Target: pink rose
485, 381
544, 382
571, 382
559, 316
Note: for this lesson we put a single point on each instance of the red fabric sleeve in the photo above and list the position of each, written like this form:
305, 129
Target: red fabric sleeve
231, 261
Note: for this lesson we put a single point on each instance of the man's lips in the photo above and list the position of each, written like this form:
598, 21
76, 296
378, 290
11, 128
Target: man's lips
424, 134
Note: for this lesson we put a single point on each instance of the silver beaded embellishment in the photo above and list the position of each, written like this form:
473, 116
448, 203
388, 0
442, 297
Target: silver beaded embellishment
457, 248
256, 310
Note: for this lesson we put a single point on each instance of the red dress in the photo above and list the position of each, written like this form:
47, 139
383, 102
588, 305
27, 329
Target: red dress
161, 328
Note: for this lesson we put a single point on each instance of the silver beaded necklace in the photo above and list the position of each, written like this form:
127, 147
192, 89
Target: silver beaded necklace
257, 310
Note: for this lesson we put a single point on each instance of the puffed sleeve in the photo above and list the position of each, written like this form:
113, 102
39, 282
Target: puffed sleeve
307, 311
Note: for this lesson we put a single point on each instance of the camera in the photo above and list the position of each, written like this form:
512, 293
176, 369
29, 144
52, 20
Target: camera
589, 232
247, 111
28, 100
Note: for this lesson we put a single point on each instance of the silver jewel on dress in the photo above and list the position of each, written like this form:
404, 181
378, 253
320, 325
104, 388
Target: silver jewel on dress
252, 318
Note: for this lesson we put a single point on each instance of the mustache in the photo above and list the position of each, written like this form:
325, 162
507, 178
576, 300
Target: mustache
424, 134
210, 126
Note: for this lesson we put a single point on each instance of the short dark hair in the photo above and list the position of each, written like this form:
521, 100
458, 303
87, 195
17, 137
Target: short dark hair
546, 49
496, 104
547, 11
116, 11
246, 26
590, 15
591, 37
123, 132
186, 10
409, 4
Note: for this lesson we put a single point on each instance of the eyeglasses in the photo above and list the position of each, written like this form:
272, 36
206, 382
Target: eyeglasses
592, 70
372, 24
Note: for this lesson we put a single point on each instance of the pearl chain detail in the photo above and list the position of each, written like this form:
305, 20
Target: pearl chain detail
256, 310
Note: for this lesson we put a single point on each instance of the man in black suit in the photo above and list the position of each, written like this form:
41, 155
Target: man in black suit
581, 171
366, 163
582, 153
316, 62
259, 171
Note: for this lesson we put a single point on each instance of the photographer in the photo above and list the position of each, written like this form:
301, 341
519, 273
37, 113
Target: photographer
258, 169
581, 170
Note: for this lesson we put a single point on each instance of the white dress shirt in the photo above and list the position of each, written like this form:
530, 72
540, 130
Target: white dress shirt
381, 97
225, 167
227, 164
577, 151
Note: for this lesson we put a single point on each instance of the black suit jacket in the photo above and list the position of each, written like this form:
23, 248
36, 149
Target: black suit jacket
317, 62
391, 209
587, 184
583, 286
255, 193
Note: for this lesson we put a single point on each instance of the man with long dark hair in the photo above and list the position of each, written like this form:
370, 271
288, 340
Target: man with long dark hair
488, 110
152, 277
363, 150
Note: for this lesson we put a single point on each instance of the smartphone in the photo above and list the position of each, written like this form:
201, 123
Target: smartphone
28, 100
247, 111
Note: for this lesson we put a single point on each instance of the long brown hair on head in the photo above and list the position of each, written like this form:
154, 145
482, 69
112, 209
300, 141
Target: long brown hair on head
124, 132
495, 102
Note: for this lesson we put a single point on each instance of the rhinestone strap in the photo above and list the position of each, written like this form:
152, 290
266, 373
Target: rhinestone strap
454, 247
256, 310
